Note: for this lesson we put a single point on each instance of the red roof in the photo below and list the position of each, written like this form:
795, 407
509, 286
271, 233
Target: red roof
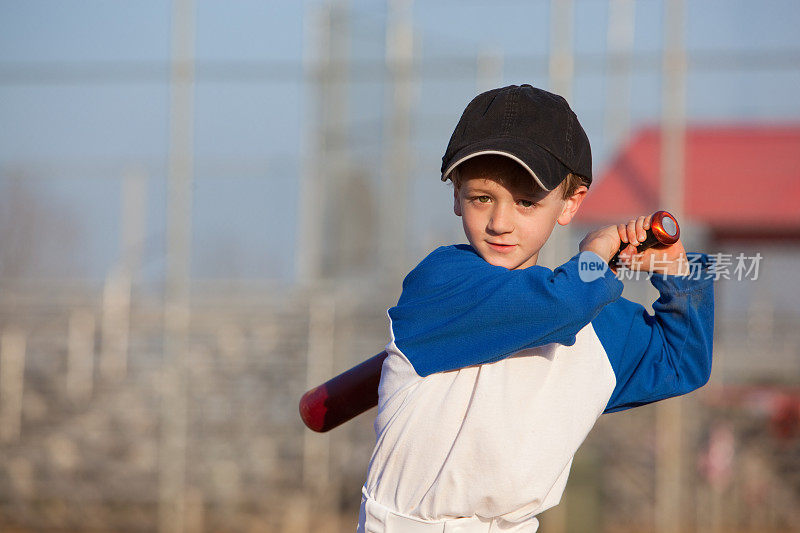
738, 178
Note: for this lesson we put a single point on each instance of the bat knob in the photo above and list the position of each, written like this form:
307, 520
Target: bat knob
665, 228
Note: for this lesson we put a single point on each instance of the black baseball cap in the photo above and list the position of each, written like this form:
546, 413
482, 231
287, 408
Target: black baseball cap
534, 127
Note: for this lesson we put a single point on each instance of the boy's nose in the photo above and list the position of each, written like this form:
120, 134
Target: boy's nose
501, 220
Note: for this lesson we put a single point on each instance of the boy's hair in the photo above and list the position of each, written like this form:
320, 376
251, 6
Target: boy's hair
569, 185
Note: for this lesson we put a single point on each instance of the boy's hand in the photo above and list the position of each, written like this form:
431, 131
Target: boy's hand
606, 241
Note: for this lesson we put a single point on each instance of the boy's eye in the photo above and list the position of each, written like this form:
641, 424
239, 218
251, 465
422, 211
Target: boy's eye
483, 199
525, 203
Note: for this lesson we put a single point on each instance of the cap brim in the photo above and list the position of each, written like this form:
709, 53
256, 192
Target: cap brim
547, 171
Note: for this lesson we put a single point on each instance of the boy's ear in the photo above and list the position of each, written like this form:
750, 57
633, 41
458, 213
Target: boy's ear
456, 202
571, 205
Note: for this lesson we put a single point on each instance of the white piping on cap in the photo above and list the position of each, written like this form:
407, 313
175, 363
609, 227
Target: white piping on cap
495, 152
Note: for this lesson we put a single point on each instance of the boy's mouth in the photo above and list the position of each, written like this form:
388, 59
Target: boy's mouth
502, 248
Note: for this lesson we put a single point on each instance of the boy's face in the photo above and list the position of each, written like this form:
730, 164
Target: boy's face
507, 217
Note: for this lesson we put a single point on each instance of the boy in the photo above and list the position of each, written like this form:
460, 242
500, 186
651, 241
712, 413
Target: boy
498, 368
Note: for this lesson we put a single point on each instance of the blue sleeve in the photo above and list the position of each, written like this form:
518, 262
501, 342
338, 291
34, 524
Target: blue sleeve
665, 354
457, 310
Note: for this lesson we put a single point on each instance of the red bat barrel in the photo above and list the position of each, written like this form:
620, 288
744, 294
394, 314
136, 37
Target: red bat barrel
343, 397
356, 390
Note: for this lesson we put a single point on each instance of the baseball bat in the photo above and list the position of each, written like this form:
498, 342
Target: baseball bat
355, 391
343, 397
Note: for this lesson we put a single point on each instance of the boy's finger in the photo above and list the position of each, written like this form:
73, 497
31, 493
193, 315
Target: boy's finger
622, 229
632, 237
647, 220
640, 230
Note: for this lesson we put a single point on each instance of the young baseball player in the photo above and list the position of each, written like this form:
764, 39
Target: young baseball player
497, 367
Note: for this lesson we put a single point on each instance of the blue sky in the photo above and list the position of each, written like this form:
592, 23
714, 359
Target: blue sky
84, 99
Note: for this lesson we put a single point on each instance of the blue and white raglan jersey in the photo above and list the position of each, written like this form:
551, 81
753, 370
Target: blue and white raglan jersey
495, 377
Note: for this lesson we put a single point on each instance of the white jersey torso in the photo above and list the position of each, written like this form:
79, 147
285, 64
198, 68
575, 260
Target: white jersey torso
493, 440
